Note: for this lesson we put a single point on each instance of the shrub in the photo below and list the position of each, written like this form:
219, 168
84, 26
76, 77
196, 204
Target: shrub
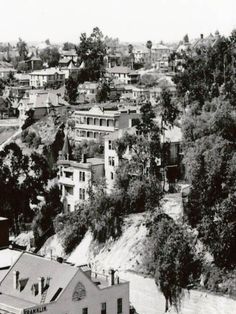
36, 141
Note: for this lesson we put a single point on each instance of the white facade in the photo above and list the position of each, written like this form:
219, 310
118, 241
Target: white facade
4, 72
38, 79
75, 180
111, 157
36, 285
111, 160
120, 73
95, 123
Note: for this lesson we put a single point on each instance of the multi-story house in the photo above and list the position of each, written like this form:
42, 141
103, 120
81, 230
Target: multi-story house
35, 284
41, 102
35, 63
50, 76
87, 92
69, 55
75, 179
120, 73
93, 124
69, 68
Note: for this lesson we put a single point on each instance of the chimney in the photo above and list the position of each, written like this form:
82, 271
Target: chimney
16, 275
41, 284
112, 276
84, 158
201, 35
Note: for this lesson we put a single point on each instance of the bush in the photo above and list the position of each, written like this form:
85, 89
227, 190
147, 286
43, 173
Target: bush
71, 227
24, 135
36, 141
30, 138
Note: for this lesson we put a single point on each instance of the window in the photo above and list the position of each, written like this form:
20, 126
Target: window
85, 310
112, 176
111, 161
110, 146
82, 194
119, 306
68, 207
103, 308
82, 176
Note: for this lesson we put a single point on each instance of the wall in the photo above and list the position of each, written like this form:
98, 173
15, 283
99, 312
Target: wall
124, 119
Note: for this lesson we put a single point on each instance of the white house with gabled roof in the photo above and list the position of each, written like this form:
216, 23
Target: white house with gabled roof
35, 284
40, 78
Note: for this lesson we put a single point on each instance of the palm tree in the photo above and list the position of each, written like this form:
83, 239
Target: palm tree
149, 46
130, 49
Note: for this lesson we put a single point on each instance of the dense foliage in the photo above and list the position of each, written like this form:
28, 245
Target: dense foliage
175, 263
206, 88
23, 176
91, 52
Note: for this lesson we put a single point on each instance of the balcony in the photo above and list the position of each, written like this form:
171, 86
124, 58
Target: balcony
66, 181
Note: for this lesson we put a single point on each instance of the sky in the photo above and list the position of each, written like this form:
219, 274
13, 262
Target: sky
129, 20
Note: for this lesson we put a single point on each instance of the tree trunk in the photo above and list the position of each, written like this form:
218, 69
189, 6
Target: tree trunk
167, 306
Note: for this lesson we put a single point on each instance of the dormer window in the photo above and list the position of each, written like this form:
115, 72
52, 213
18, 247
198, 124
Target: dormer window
35, 289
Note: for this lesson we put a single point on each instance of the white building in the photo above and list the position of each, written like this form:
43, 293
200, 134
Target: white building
93, 124
111, 158
41, 102
120, 73
35, 284
76, 178
50, 76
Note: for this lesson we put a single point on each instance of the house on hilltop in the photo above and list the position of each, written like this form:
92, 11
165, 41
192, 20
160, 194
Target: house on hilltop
93, 124
41, 102
47, 77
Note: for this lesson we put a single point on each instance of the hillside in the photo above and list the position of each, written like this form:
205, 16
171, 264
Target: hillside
46, 129
126, 255
122, 254
6, 132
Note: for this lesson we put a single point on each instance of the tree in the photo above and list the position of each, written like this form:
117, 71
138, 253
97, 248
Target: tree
68, 46
169, 110
29, 120
103, 92
131, 55
23, 176
208, 70
105, 213
50, 55
210, 166
22, 49
186, 39
71, 89
176, 262
149, 80
140, 174
47, 42
149, 47
91, 52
